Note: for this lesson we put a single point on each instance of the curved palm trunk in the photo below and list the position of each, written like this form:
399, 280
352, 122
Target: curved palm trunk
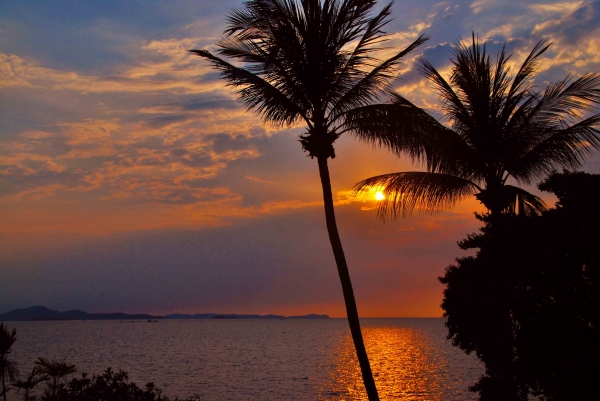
340, 260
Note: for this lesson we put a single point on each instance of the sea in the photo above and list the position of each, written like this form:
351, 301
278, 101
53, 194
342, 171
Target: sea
260, 359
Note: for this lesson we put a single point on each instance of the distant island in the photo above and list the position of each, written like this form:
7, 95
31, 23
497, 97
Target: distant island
41, 313
236, 316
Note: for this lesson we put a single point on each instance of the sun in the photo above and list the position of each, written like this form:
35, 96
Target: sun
379, 196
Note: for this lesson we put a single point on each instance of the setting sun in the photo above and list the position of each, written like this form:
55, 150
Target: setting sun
379, 196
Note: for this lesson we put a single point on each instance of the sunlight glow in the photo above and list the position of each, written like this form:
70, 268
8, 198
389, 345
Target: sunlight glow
379, 196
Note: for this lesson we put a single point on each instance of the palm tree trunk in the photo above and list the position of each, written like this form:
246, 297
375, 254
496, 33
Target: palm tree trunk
340, 260
3, 386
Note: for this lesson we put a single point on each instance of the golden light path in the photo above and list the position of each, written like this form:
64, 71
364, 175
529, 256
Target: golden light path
407, 363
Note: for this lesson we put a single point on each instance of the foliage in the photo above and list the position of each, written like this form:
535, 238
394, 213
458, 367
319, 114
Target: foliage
552, 263
307, 60
501, 128
55, 370
8, 367
110, 385
30, 383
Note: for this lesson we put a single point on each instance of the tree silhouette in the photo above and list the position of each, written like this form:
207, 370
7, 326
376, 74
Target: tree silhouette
8, 367
500, 128
555, 310
55, 370
28, 384
311, 61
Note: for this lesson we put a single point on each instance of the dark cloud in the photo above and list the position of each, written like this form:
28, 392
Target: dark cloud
227, 104
575, 27
162, 121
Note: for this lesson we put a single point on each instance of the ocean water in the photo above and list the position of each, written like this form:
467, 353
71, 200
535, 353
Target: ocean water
261, 359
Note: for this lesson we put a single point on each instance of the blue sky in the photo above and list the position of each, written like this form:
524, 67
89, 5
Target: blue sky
131, 179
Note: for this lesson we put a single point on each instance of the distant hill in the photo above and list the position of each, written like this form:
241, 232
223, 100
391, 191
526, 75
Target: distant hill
236, 316
42, 313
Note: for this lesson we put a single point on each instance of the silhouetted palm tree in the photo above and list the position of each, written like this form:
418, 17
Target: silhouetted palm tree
8, 367
55, 370
500, 128
27, 385
311, 61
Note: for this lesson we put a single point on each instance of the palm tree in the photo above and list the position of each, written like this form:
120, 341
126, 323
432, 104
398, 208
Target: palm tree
8, 367
28, 384
311, 61
500, 128
55, 370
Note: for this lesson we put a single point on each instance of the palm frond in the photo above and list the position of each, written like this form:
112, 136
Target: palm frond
373, 34
399, 126
54, 369
31, 381
557, 148
7, 338
527, 69
454, 109
256, 93
407, 190
9, 367
472, 79
406, 129
365, 90
523, 202
564, 101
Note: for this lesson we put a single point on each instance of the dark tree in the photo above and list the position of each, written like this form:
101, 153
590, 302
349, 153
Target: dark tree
8, 367
55, 370
110, 385
311, 62
501, 128
29, 383
555, 264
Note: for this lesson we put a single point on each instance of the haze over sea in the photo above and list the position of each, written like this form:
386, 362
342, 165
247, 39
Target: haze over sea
234, 359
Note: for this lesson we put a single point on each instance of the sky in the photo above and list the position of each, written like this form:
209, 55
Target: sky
132, 180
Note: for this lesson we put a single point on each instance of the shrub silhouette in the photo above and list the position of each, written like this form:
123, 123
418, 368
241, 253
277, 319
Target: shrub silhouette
555, 264
8, 368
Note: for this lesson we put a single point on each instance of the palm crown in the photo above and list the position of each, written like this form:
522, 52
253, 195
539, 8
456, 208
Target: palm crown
500, 128
308, 60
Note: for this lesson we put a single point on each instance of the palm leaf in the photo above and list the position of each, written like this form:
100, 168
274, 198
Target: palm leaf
558, 148
256, 93
523, 202
366, 90
566, 100
455, 110
404, 191
406, 129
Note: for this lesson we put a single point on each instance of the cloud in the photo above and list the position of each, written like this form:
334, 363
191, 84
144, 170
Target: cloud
88, 132
556, 8
256, 179
167, 67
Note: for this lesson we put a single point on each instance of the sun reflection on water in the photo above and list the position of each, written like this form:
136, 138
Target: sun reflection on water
405, 364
